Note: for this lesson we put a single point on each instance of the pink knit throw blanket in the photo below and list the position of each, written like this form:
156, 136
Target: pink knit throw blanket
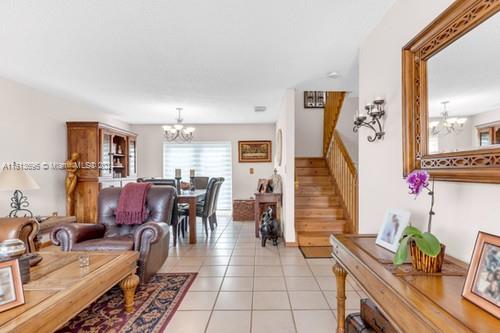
132, 204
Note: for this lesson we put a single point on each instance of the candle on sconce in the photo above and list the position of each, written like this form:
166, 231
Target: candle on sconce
191, 173
178, 173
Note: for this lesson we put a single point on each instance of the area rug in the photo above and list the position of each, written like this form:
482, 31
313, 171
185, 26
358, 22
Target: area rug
316, 252
155, 303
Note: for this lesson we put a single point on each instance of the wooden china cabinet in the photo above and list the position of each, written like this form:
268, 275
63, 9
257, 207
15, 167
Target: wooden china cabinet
107, 158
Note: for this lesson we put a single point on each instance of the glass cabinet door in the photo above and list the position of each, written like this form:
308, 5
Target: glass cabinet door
106, 154
132, 157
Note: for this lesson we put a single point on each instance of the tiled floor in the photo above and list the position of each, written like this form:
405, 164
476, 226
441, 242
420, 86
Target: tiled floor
242, 287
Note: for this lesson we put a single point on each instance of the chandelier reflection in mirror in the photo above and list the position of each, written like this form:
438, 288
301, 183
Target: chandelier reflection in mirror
446, 125
376, 112
178, 132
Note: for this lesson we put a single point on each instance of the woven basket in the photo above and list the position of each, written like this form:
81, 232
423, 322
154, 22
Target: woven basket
243, 210
423, 262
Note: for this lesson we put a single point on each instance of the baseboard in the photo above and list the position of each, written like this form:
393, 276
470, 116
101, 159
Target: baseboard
291, 244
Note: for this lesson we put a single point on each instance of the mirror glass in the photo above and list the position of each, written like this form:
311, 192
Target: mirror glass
464, 92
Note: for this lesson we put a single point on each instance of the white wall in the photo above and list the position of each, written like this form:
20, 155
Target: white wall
461, 209
150, 152
308, 129
286, 122
33, 129
345, 124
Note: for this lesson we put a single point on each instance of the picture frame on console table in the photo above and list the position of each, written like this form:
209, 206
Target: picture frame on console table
11, 287
482, 285
395, 222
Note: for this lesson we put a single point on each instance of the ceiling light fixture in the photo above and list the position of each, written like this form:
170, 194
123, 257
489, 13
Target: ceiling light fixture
446, 125
177, 132
333, 75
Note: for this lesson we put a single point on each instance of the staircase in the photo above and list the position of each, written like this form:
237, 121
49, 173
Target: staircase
318, 208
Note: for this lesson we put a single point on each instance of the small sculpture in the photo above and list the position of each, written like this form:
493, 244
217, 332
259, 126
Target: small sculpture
71, 181
269, 229
276, 182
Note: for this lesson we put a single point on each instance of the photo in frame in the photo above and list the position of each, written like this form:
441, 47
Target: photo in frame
254, 151
482, 285
262, 185
392, 228
11, 287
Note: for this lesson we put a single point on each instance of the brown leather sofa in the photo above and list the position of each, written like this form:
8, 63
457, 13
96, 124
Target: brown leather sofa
151, 238
21, 228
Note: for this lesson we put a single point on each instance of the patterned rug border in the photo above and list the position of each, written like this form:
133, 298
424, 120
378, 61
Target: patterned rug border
106, 314
178, 300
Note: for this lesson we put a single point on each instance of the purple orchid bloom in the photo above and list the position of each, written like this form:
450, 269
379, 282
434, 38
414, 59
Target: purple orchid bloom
417, 181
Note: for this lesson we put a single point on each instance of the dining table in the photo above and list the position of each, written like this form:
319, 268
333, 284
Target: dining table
192, 198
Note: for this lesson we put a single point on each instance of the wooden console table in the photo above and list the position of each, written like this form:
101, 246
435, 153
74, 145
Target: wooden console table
411, 302
262, 201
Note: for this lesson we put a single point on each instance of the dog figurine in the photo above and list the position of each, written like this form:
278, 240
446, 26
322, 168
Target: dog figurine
269, 229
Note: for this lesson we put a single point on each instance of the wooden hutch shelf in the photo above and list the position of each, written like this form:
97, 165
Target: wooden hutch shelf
108, 158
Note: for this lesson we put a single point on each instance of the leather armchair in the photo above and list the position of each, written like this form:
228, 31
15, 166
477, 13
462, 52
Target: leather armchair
22, 228
150, 239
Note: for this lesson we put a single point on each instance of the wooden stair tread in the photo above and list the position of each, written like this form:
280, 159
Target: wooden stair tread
314, 238
318, 209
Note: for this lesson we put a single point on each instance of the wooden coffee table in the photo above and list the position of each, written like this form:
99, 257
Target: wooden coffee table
60, 289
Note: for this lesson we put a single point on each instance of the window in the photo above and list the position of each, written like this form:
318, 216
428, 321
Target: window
208, 159
484, 139
433, 144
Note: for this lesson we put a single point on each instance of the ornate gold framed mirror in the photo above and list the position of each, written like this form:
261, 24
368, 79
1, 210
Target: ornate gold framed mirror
451, 95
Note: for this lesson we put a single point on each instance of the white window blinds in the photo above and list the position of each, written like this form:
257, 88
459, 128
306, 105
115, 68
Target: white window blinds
208, 159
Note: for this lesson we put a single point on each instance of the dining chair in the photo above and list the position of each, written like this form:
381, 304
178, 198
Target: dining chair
213, 216
204, 209
200, 183
157, 181
176, 220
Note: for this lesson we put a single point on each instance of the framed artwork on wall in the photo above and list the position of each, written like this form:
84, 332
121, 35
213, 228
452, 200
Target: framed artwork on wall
482, 285
390, 232
254, 151
11, 287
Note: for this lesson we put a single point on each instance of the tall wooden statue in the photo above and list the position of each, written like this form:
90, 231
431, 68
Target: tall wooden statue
71, 180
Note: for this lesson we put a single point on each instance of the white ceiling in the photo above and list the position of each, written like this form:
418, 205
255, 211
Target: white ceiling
467, 73
140, 59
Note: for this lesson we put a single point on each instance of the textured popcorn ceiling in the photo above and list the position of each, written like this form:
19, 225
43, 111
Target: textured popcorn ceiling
217, 59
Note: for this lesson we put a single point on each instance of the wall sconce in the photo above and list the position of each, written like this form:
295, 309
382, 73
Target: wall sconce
376, 112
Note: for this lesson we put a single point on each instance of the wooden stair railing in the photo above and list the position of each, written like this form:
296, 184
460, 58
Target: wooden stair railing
345, 174
334, 101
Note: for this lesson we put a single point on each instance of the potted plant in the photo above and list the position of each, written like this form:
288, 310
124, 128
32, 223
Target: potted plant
427, 253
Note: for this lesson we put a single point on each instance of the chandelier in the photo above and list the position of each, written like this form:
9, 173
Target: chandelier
446, 125
177, 132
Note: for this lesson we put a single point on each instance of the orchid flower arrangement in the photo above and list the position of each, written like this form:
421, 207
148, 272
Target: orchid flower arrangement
418, 181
